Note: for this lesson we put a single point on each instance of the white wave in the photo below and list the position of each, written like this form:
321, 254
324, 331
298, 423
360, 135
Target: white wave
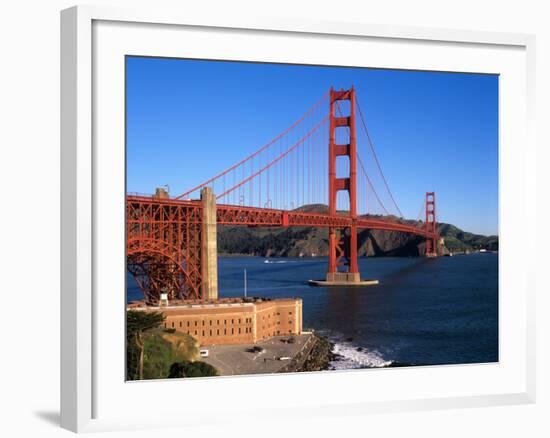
349, 357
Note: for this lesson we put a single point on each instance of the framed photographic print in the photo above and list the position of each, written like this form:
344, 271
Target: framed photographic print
321, 212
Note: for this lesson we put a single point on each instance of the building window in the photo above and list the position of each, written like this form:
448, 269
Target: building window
225, 321
210, 332
210, 322
203, 322
164, 325
195, 333
290, 313
218, 322
290, 321
203, 332
187, 323
232, 321
224, 331
239, 330
180, 323
239, 320
195, 323
232, 331
218, 332
172, 324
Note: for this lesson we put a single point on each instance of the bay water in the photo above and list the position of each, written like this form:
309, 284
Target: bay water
424, 311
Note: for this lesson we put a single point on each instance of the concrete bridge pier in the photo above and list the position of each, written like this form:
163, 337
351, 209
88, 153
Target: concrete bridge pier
209, 256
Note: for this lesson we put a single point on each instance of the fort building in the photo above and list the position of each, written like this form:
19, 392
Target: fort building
231, 320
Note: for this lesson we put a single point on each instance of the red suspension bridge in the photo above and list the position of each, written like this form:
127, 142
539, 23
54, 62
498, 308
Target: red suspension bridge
171, 241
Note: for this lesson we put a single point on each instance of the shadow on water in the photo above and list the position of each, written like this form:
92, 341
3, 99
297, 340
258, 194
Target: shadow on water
351, 306
403, 272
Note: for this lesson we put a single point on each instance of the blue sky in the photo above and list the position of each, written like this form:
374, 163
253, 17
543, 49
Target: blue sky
187, 120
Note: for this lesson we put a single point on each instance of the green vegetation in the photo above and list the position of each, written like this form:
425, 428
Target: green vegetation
137, 323
261, 242
457, 240
308, 241
152, 350
192, 369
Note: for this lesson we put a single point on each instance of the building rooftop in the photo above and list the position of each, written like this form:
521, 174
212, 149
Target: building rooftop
220, 302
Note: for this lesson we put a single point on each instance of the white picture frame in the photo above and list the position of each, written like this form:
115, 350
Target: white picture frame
87, 403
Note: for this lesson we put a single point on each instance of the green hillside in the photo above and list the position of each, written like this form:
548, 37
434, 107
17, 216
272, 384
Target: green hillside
311, 241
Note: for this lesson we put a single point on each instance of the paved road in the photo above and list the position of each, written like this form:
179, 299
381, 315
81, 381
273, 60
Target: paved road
236, 360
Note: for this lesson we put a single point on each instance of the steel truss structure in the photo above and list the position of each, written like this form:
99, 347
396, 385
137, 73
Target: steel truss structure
164, 235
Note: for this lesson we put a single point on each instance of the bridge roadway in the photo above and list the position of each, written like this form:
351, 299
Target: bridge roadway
240, 215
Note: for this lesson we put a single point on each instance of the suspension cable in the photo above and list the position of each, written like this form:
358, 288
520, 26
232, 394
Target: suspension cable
284, 154
364, 171
274, 140
376, 157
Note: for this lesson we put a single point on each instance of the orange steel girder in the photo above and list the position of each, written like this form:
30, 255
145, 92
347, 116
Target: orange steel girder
164, 238
163, 247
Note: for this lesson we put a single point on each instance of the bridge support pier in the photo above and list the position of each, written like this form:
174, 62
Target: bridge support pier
430, 225
343, 269
209, 256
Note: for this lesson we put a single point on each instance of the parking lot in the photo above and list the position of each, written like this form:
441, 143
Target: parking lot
239, 359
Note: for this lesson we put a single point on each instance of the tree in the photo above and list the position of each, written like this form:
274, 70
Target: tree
192, 369
137, 322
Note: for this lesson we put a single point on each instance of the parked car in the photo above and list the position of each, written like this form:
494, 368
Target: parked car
203, 353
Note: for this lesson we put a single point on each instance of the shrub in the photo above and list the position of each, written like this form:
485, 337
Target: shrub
137, 324
192, 369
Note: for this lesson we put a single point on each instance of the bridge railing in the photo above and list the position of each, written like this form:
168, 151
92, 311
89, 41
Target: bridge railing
139, 195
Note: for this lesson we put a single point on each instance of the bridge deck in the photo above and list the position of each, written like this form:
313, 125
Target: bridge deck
252, 216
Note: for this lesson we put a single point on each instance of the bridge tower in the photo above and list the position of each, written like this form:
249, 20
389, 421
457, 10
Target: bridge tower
431, 227
343, 267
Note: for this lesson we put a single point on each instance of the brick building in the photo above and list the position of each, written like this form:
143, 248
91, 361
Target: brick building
232, 320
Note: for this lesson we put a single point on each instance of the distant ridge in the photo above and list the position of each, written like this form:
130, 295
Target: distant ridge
311, 241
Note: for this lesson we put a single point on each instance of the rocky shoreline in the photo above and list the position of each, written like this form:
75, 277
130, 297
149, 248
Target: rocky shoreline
320, 356
316, 357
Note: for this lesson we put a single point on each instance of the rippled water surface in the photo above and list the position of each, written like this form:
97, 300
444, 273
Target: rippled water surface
423, 312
